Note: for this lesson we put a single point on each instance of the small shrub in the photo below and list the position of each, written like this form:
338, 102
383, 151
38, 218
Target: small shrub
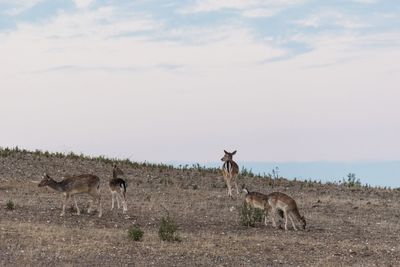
135, 234
10, 205
167, 230
351, 181
249, 216
245, 172
166, 181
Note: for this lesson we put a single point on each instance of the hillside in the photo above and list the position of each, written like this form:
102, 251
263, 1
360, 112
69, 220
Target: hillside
346, 226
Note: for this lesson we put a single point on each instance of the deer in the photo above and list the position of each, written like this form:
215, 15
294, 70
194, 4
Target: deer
276, 202
283, 202
118, 189
230, 170
73, 185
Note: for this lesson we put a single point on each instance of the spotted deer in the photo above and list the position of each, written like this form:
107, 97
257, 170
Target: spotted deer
118, 189
73, 185
230, 170
280, 201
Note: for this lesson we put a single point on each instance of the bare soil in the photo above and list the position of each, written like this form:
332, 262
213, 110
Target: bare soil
345, 226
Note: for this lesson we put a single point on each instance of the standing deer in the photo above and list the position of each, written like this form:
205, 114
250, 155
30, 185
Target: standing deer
281, 201
118, 189
78, 184
230, 170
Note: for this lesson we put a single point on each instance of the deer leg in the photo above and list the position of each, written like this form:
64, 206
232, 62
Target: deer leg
286, 219
90, 205
124, 206
95, 194
291, 219
117, 197
64, 204
112, 200
228, 183
78, 212
265, 217
273, 218
237, 188
267, 209
99, 205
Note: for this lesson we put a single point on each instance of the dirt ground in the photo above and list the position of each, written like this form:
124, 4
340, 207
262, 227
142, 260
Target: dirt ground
345, 226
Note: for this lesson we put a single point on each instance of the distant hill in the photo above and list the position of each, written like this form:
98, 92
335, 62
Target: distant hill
385, 173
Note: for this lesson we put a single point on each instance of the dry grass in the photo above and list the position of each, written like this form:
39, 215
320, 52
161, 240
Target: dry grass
346, 226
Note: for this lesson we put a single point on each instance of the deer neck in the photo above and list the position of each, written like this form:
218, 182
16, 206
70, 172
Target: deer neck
115, 175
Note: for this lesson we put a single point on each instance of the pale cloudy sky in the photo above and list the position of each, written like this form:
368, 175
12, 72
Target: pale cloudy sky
159, 80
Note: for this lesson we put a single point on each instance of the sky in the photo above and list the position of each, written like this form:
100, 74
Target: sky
161, 81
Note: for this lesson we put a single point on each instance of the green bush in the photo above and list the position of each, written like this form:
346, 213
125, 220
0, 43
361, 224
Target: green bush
351, 181
167, 230
135, 234
10, 205
249, 216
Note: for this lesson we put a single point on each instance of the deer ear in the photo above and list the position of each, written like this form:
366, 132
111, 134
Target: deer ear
226, 152
234, 152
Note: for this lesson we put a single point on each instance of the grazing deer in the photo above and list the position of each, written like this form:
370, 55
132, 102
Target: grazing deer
118, 189
78, 184
281, 201
230, 170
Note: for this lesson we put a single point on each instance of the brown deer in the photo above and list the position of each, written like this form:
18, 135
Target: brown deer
280, 201
230, 170
118, 189
276, 202
77, 184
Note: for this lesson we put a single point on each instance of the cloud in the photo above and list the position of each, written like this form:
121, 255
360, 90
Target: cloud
83, 3
110, 41
331, 18
171, 81
366, 1
251, 8
100, 23
15, 7
260, 12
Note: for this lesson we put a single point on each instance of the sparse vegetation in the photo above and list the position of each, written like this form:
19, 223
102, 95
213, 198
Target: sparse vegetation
208, 220
10, 205
250, 216
166, 181
13, 152
351, 181
246, 173
167, 230
135, 234
275, 173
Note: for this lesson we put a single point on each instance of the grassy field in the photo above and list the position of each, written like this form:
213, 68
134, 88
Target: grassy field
346, 226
